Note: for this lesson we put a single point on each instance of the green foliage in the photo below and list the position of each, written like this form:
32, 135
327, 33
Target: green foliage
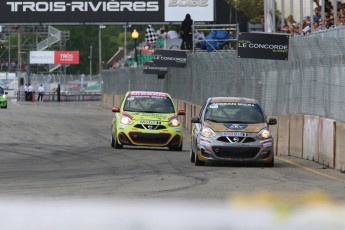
112, 37
252, 9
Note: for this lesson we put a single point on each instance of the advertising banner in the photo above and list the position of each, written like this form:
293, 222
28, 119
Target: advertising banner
108, 11
263, 46
45, 11
170, 58
54, 57
66, 57
200, 10
150, 68
41, 57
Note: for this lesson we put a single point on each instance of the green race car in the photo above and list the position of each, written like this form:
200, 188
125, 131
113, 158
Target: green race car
147, 119
3, 98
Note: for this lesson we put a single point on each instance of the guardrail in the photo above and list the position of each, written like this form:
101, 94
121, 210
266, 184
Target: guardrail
70, 96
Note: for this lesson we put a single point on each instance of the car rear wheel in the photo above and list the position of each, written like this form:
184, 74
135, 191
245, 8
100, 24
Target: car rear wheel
197, 161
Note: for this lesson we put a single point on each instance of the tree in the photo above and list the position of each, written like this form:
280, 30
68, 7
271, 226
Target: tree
252, 9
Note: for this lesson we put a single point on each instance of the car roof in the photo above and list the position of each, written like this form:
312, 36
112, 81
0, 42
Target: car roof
233, 99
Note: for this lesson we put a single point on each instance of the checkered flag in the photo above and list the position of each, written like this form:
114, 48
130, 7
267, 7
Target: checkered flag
151, 35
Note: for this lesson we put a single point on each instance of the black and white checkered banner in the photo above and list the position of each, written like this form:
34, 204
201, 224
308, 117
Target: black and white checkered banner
151, 35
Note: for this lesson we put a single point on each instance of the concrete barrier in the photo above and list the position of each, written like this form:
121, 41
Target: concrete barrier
296, 135
283, 135
189, 112
274, 131
311, 138
340, 146
118, 100
326, 142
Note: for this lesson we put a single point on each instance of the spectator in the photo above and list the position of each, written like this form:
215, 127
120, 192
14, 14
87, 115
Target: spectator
58, 92
172, 34
315, 26
319, 28
306, 25
290, 20
295, 29
317, 15
186, 33
162, 33
26, 92
286, 29
40, 93
30, 92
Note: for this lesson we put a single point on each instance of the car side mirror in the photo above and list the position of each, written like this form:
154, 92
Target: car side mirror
181, 112
115, 109
272, 121
195, 120
6, 93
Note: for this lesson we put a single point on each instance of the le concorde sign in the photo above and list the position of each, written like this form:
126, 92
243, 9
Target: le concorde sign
263, 46
106, 11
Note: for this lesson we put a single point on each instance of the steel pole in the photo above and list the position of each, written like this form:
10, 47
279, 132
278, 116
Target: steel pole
90, 60
99, 49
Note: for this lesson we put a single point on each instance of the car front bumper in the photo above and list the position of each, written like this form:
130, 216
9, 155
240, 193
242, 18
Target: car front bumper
251, 149
168, 137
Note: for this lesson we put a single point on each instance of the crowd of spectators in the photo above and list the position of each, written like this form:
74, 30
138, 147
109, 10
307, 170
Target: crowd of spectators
13, 65
5, 65
315, 23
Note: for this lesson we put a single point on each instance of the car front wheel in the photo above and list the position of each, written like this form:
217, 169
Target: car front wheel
117, 144
197, 161
112, 141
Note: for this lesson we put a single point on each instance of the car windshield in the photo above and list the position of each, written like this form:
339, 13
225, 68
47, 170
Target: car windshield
1, 91
234, 113
149, 104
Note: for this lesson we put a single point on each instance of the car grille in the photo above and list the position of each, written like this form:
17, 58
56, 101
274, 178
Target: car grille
149, 138
235, 152
150, 127
239, 140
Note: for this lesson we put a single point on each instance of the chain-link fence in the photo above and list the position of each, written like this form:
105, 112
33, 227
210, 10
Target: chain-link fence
68, 83
311, 82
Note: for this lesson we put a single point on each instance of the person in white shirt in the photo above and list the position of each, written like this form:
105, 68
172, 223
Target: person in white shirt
30, 89
26, 92
40, 93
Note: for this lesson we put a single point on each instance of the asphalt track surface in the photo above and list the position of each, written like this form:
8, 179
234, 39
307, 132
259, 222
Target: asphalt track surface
62, 151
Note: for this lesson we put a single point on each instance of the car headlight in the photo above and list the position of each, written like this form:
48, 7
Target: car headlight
126, 120
207, 132
264, 133
174, 122
4, 96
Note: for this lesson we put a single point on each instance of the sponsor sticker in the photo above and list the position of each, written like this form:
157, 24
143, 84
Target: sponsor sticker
236, 126
205, 143
148, 122
177, 129
266, 143
122, 126
234, 134
148, 94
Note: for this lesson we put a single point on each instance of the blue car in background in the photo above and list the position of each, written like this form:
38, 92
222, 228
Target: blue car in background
3, 98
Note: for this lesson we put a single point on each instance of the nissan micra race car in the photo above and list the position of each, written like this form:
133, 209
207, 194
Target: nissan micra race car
147, 119
231, 129
3, 98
